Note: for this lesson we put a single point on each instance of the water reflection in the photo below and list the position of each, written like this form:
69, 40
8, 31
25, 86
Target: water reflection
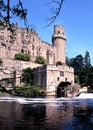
59, 114
82, 117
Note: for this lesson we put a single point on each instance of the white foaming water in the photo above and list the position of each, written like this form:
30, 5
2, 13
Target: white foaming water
23, 100
86, 95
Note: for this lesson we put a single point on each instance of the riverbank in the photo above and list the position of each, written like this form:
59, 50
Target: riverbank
25, 91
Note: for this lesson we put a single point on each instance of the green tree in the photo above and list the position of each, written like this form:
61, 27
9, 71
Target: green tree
77, 63
68, 61
83, 76
86, 73
17, 10
86, 76
27, 76
21, 56
40, 60
87, 60
7, 12
59, 63
90, 77
82, 68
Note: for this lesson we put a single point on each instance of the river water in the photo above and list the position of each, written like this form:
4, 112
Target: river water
46, 113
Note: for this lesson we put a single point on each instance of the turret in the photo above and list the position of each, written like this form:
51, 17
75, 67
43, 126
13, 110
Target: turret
59, 43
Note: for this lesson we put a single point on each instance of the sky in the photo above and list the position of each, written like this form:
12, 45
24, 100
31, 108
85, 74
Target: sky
76, 17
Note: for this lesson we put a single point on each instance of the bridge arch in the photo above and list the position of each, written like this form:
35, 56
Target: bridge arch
62, 89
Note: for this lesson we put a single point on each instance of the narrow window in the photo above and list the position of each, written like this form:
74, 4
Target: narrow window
62, 73
57, 78
39, 49
66, 79
33, 39
32, 47
22, 51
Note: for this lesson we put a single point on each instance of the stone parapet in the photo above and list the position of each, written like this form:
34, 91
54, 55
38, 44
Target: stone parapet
60, 67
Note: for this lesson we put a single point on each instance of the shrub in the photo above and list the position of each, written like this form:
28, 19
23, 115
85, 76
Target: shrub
59, 63
29, 91
27, 76
21, 56
40, 60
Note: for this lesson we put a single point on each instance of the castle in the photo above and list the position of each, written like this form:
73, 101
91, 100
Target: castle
48, 76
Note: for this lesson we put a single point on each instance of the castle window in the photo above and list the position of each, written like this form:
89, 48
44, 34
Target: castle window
58, 31
39, 49
22, 51
62, 73
66, 79
32, 47
8, 48
57, 78
33, 39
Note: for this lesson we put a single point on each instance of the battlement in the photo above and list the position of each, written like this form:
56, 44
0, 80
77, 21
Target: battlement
59, 36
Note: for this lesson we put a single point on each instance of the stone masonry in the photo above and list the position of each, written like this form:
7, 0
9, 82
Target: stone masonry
29, 42
48, 76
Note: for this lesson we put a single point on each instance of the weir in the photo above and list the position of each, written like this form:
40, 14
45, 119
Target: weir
23, 100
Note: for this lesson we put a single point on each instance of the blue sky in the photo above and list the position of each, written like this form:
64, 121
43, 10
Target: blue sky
76, 17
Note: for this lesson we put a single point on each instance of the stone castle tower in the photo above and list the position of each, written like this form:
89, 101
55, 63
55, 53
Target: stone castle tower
31, 43
59, 43
47, 76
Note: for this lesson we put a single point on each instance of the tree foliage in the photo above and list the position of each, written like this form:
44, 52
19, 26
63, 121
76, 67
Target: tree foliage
87, 60
29, 91
82, 68
21, 56
40, 60
59, 63
7, 12
27, 76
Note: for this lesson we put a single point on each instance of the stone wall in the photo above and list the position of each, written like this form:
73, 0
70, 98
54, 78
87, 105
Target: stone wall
50, 76
30, 42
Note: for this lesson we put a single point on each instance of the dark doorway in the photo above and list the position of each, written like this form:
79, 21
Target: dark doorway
60, 92
62, 89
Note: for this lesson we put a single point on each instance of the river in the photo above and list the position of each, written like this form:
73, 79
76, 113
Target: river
46, 113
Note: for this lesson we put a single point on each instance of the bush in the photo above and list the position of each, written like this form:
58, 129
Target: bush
40, 60
59, 63
27, 76
21, 56
29, 91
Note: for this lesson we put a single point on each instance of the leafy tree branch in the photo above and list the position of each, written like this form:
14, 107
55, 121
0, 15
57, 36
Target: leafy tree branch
56, 10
